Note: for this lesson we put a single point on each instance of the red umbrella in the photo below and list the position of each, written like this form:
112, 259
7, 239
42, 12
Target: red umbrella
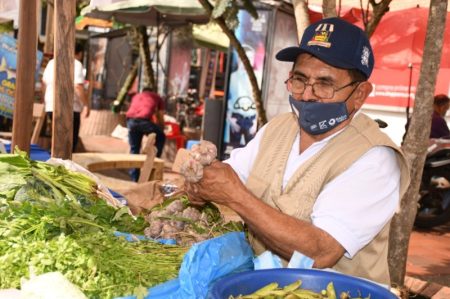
398, 44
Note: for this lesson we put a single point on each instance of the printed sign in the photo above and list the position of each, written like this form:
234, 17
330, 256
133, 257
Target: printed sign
241, 119
8, 66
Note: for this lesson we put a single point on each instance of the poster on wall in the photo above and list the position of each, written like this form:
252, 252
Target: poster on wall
8, 66
97, 51
241, 119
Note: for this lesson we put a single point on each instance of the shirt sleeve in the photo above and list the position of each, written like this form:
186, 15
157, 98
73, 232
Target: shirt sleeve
46, 76
242, 159
442, 128
356, 205
78, 73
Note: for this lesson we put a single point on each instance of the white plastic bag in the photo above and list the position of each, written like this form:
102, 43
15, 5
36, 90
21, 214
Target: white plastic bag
51, 285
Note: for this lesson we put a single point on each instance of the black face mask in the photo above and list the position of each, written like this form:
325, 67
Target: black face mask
318, 118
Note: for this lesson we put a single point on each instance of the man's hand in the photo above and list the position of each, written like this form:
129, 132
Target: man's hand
220, 184
79, 90
281, 233
160, 119
86, 111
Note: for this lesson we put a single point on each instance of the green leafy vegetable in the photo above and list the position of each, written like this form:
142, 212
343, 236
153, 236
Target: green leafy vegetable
52, 220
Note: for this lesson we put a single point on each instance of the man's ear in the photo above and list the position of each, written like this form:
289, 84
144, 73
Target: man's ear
361, 93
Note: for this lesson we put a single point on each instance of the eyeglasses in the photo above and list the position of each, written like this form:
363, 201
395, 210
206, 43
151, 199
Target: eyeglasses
319, 89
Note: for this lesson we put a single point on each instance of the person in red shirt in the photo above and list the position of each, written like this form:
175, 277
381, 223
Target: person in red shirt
143, 108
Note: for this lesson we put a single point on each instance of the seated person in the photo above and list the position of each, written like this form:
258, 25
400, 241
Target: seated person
439, 127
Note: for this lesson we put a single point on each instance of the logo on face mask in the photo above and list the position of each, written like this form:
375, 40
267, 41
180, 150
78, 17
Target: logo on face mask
323, 125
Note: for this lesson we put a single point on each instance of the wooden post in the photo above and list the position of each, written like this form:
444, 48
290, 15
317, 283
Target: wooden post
49, 25
62, 129
26, 67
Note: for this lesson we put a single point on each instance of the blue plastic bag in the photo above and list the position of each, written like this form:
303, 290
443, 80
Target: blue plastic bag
203, 264
268, 260
210, 260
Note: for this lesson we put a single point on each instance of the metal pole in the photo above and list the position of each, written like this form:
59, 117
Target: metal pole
410, 66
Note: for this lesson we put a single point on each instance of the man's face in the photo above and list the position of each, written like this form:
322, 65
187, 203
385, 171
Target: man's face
311, 70
331, 84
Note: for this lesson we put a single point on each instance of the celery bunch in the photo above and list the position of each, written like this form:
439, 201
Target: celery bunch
17, 170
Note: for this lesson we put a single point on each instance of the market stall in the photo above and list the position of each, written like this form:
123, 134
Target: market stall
55, 217
58, 224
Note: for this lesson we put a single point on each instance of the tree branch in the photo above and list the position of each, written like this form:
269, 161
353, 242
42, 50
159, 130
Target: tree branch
262, 119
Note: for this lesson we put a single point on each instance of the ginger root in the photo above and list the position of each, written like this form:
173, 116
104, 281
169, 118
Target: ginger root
202, 154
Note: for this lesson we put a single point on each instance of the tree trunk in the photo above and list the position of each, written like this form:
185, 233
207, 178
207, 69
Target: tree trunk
301, 17
262, 118
26, 61
416, 140
49, 32
379, 9
144, 53
329, 8
132, 74
63, 78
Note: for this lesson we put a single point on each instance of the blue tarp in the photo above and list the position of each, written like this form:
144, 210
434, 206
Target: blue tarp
36, 153
203, 264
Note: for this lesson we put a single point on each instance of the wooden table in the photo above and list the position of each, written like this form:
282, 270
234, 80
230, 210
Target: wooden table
103, 161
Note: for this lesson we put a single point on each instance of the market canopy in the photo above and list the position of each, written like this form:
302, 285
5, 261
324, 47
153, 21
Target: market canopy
148, 12
82, 22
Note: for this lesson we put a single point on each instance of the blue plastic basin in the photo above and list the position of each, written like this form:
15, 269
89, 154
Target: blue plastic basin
248, 282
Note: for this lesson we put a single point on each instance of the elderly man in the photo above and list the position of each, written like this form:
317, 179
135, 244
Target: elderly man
322, 180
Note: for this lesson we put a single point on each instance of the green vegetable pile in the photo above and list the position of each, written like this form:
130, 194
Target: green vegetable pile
51, 219
294, 291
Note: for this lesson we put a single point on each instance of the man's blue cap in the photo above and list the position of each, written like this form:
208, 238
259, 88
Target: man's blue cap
335, 42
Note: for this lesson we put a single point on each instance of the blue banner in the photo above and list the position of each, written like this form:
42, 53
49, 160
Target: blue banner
241, 119
8, 67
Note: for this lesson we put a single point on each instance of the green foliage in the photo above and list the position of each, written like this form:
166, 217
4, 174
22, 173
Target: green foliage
231, 17
250, 8
80, 5
7, 27
220, 7
229, 9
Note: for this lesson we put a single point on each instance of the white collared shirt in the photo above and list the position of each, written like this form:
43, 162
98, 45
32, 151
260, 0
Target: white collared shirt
48, 78
355, 206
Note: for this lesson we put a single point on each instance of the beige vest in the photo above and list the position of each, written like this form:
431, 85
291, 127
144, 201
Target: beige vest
298, 197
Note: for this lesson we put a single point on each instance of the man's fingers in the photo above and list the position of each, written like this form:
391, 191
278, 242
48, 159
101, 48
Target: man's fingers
194, 198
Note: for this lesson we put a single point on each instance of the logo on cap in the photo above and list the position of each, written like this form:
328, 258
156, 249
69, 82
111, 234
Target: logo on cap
322, 35
365, 56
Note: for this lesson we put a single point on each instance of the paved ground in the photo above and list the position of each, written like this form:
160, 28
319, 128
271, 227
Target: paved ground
429, 255
428, 264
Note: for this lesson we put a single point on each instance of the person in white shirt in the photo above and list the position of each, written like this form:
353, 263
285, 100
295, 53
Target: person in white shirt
323, 179
80, 101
